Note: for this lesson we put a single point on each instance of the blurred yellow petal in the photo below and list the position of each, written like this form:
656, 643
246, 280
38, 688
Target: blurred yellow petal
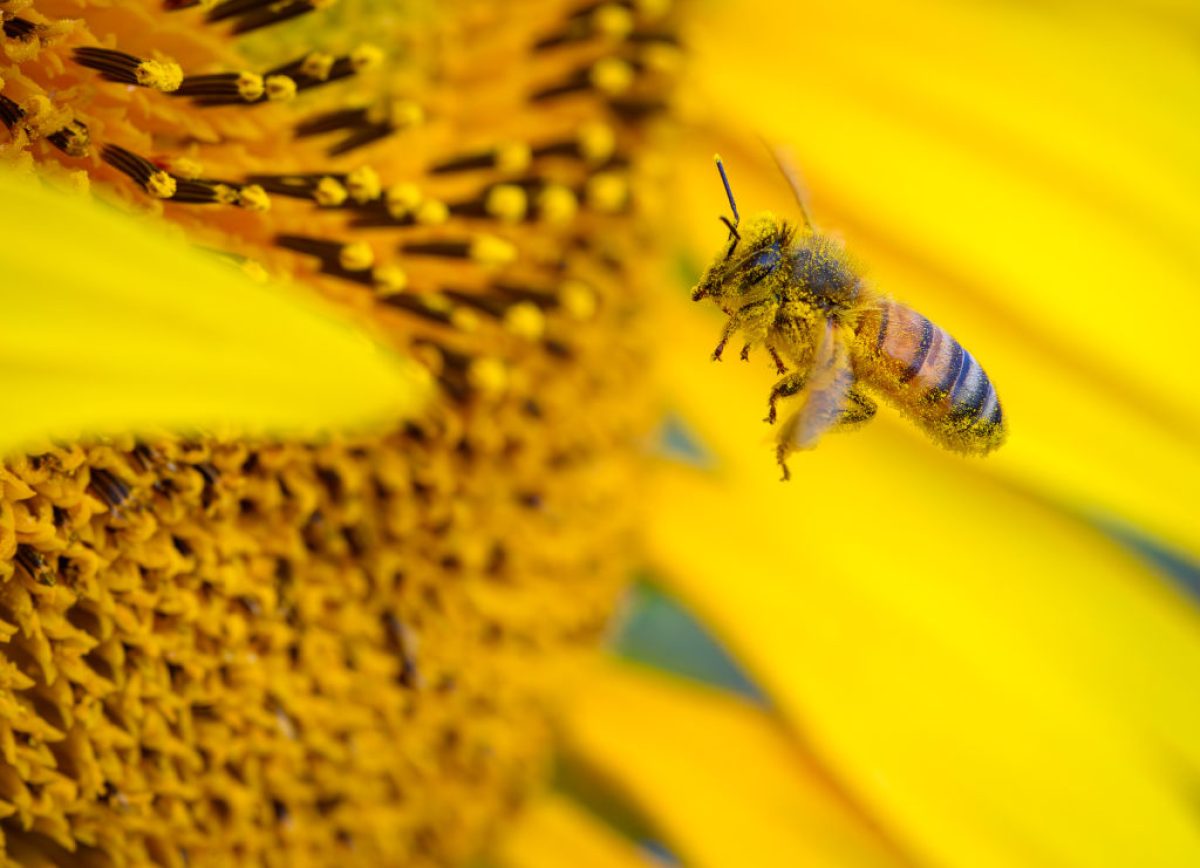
110, 326
996, 168
996, 682
720, 777
553, 832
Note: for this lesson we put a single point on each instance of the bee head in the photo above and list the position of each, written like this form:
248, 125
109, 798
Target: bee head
746, 260
756, 250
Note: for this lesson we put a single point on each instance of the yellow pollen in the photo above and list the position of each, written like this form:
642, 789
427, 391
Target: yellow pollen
160, 185
366, 57
556, 204
404, 113
77, 182
577, 299
611, 75
226, 195
78, 141
389, 280
254, 198
488, 376
597, 141
255, 271
613, 21
364, 184
607, 192
525, 320
662, 58
652, 9
356, 256
437, 303
507, 202
317, 65
250, 86
280, 88
188, 168
432, 213
490, 250
330, 193
43, 118
429, 357
38, 105
464, 319
159, 75
402, 198
19, 51
513, 157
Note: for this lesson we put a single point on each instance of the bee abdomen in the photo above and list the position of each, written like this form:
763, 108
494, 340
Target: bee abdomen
928, 374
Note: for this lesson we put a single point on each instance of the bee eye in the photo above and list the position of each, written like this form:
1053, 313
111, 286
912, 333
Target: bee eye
767, 259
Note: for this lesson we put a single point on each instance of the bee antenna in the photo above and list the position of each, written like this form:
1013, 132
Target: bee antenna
729, 193
788, 169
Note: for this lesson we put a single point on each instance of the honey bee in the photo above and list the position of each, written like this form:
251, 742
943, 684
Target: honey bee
795, 292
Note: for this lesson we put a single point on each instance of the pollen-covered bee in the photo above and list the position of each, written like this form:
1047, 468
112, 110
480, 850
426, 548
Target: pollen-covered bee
796, 292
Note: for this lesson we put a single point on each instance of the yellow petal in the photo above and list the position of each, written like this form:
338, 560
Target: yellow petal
995, 168
111, 326
996, 681
719, 776
553, 832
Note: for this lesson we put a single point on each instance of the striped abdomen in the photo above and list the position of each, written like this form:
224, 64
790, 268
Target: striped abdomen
928, 375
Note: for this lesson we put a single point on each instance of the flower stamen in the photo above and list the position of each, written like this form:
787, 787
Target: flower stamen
608, 20
223, 88
484, 249
19, 28
365, 125
609, 76
165, 76
337, 258
510, 157
34, 564
109, 487
251, 15
359, 187
155, 181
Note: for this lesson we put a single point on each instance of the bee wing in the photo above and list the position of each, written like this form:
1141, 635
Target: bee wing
785, 162
827, 392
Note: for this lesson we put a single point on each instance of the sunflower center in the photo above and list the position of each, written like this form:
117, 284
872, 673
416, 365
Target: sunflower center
221, 649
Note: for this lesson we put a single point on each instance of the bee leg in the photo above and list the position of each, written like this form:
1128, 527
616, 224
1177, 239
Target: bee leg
730, 328
857, 409
745, 353
781, 456
789, 385
744, 316
779, 365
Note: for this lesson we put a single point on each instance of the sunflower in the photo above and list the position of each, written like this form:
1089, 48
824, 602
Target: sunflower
352, 605
351, 527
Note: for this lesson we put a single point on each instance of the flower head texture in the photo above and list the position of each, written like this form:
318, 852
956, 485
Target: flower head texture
349, 294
